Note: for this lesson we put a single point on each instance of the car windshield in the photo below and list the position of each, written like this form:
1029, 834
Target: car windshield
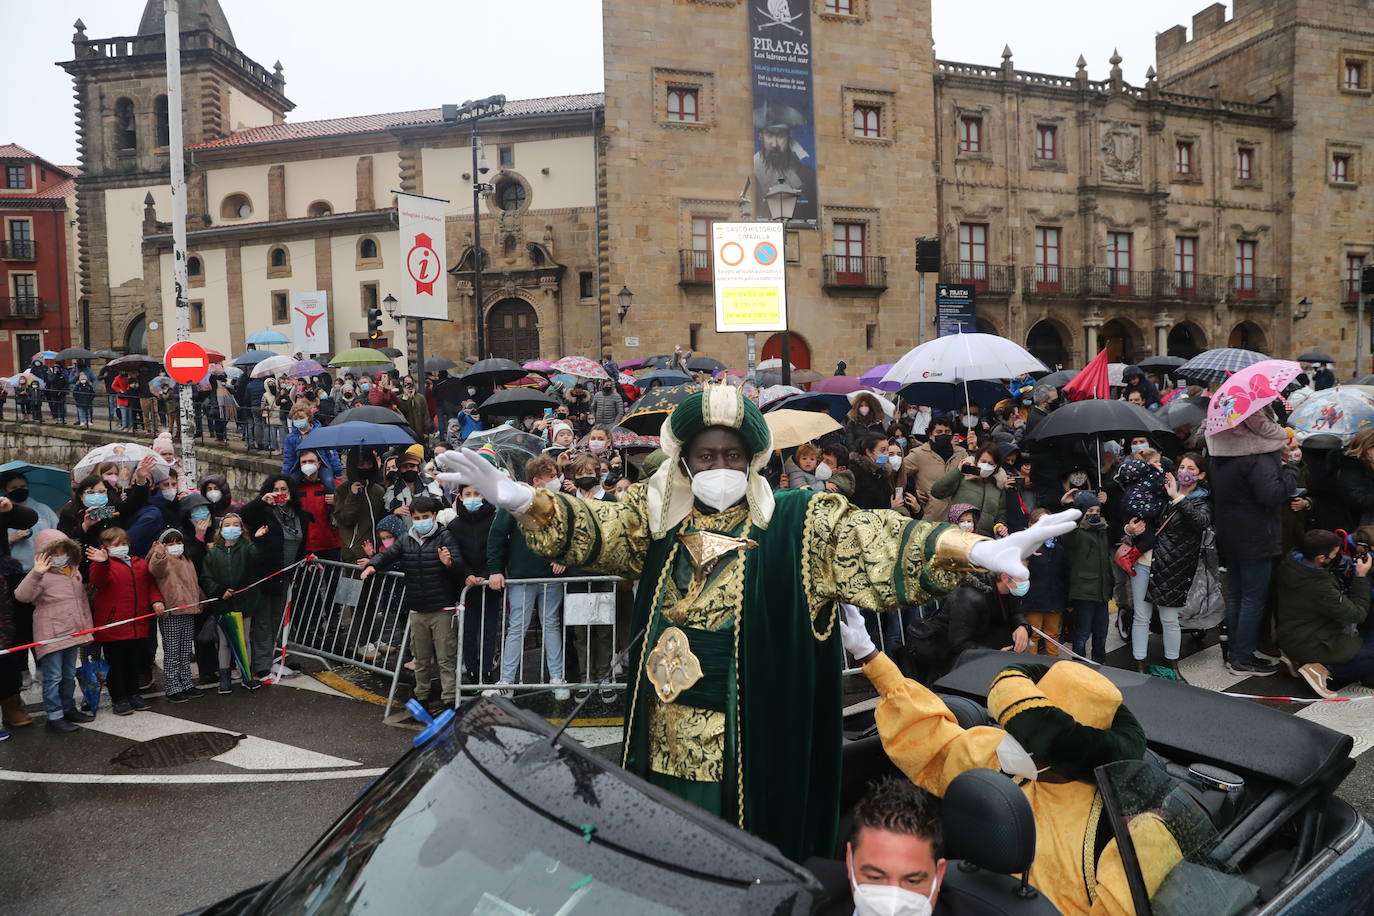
1167, 840
442, 835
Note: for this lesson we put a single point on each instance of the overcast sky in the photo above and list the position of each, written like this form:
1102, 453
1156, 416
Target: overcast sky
347, 57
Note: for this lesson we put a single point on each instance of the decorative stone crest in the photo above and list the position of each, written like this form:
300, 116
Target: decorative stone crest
1121, 152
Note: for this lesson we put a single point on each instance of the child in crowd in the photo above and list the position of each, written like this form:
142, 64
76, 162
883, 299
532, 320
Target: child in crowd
837, 477
1088, 559
231, 563
124, 589
177, 580
1046, 598
432, 563
965, 516
801, 468
1142, 481
83, 395
55, 589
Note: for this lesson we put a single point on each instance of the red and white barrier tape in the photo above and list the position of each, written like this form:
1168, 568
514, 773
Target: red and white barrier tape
126, 620
1226, 693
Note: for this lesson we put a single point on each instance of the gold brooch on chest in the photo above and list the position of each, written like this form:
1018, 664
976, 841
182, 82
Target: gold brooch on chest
706, 549
671, 667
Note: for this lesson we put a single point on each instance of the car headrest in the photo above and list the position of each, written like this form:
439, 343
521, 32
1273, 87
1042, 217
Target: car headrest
988, 821
967, 713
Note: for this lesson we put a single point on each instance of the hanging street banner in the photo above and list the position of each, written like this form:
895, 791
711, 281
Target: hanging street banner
310, 322
750, 277
784, 113
955, 311
424, 285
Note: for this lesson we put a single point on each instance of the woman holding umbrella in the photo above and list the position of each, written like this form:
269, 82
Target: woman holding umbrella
300, 422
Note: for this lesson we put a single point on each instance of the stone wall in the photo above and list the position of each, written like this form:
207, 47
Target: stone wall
62, 447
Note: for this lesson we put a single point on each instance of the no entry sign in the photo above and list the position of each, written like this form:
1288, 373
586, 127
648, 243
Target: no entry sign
187, 362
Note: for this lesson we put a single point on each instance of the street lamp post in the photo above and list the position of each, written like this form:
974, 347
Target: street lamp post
390, 303
625, 298
470, 113
782, 204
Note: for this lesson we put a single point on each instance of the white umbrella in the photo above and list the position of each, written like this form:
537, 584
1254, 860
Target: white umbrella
776, 392
774, 363
963, 358
124, 454
1115, 371
273, 365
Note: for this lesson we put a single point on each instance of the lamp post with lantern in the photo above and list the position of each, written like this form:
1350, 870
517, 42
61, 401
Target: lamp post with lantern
782, 204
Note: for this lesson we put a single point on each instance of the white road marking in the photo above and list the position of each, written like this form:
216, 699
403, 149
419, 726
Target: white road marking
306, 682
596, 735
111, 779
1205, 669
1353, 719
250, 754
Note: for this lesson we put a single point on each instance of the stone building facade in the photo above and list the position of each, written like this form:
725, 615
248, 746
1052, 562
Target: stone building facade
1221, 203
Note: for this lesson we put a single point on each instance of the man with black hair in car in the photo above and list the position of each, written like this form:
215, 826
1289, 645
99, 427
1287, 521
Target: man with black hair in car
894, 860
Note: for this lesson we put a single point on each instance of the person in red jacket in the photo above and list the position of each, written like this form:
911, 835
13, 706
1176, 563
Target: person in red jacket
315, 485
124, 589
120, 386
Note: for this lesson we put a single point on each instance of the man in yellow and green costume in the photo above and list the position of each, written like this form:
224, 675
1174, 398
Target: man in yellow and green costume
735, 700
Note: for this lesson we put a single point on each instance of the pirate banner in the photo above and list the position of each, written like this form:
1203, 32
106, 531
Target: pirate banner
784, 116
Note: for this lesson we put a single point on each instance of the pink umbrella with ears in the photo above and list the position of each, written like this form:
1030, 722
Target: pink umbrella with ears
1246, 392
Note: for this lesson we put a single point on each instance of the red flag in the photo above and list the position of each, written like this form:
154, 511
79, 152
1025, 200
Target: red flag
1091, 382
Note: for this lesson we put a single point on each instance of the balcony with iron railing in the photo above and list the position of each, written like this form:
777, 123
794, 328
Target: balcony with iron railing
853, 272
694, 267
1186, 284
18, 250
1248, 288
20, 306
992, 279
1117, 283
1350, 293
1052, 280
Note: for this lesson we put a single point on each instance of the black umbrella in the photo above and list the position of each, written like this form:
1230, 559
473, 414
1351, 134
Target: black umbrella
704, 364
1161, 363
135, 359
662, 377
645, 415
1365, 380
439, 364
1097, 418
1316, 356
252, 358
492, 372
368, 413
516, 402
105, 354
1182, 412
390, 351
1058, 379
76, 353
659, 362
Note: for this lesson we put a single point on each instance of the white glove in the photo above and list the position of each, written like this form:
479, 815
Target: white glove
465, 467
853, 633
1007, 555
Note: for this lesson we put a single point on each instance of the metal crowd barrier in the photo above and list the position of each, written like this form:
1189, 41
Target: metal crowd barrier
336, 616
580, 627
887, 630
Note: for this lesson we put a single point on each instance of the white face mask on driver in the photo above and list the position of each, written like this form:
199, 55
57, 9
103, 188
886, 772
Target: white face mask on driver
719, 488
1015, 760
888, 899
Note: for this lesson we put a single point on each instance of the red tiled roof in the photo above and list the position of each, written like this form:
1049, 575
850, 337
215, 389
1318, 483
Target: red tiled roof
15, 151
373, 123
64, 188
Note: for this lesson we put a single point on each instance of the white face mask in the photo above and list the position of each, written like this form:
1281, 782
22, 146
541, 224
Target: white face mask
58, 560
1015, 760
719, 488
823, 471
966, 526
309, 468
120, 553
969, 420
175, 550
985, 469
888, 899
214, 495
597, 445
556, 484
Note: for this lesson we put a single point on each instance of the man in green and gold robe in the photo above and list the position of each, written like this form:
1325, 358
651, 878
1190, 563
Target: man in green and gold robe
735, 697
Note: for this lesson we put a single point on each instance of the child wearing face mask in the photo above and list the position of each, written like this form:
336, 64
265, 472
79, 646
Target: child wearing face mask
58, 594
1088, 560
124, 589
180, 586
231, 564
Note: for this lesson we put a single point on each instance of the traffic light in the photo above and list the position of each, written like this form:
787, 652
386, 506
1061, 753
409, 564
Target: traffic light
374, 323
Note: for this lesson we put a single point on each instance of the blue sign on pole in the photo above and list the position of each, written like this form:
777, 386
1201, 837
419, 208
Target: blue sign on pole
955, 311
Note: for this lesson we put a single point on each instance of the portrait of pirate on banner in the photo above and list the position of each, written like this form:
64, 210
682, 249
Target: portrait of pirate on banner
780, 157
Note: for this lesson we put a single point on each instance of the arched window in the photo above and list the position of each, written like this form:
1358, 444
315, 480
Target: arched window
236, 206
319, 208
193, 267
164, 129
278, 257
510, 194
126, 130
367, 249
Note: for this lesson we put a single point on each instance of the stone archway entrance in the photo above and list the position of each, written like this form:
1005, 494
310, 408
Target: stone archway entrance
1248, 336
136, 338
513, 331
1046, 344
799, 350
1186, 340
1121, 339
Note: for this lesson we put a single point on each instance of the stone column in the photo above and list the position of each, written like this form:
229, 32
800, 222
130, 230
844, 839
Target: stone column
1092, 325
1162, 325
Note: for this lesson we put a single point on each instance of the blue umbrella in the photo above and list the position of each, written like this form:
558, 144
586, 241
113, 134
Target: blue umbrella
662, 377
252, 358
350, 434
949, 395
91, 677
50, 486
837, 405
48, 354
269, 338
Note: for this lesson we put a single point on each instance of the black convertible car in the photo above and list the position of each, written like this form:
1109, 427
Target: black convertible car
496, 814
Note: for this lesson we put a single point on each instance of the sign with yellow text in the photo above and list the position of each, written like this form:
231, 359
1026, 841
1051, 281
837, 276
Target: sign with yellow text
749, 274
